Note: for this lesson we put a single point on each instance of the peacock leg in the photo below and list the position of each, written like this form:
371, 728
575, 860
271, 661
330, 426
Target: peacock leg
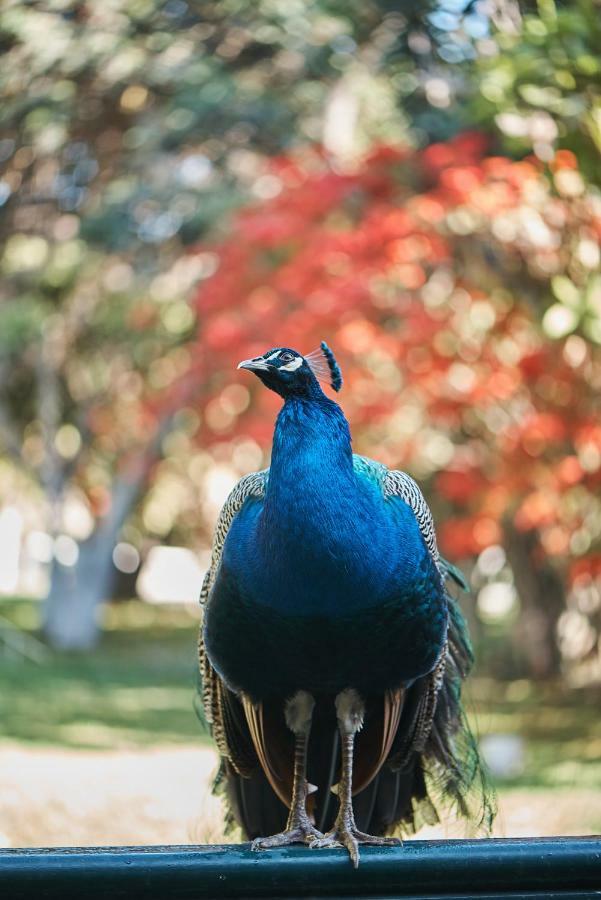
299, 828
349, 712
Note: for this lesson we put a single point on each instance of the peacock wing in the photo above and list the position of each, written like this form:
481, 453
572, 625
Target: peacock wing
399, 484
394, 483
433, 726
223, 710
421, 704
252, 485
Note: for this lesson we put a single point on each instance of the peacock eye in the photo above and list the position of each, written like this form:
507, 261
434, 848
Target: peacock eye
286, 357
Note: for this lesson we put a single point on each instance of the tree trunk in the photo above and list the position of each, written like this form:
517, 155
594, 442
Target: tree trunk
542, 600
71, 610
76, 592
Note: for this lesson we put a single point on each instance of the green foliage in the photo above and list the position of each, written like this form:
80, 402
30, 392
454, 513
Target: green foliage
540, 84
21, 323
561, 738
138, 687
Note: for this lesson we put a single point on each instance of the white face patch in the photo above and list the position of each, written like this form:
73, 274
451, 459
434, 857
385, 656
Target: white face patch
293, 365
272, 356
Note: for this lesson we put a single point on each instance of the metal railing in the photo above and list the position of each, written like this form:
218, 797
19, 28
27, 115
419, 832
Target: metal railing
566, 868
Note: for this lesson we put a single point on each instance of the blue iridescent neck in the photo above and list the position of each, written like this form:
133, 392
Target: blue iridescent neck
312, 460
318, 534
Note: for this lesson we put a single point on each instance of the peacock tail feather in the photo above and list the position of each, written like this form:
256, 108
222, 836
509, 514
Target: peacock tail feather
446, 765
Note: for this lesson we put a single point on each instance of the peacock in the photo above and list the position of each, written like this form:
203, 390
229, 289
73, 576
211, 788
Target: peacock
332, 652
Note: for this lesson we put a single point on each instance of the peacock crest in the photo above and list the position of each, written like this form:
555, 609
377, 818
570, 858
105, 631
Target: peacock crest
324, 366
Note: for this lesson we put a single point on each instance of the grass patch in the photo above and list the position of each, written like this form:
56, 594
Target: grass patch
137, 687
559, 727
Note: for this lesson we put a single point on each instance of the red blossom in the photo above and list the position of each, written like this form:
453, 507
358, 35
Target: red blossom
425, 274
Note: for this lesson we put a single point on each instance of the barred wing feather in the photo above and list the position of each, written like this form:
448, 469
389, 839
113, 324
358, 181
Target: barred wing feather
217, 701
252, 485
434, 728
399, 484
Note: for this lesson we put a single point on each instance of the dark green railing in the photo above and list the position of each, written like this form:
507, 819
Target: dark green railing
566, 868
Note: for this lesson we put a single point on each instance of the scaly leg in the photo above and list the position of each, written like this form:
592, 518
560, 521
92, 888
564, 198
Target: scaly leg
299, 828
349, 712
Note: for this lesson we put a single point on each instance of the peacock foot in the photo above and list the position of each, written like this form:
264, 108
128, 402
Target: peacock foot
346, 834
300, 831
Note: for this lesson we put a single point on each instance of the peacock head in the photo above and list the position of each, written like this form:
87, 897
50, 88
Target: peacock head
291, 374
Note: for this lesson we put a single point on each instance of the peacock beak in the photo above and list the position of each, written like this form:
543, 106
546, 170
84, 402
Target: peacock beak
254, 365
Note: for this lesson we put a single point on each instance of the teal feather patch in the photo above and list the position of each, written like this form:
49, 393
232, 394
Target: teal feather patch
369, 468
455, 574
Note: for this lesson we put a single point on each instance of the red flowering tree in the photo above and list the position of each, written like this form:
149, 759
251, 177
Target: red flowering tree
460, 294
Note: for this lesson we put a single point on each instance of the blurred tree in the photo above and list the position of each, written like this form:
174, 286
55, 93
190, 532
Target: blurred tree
128, 129
462, 294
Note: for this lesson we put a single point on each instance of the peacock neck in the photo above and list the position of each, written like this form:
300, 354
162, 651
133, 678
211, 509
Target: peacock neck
311, 478
320, 534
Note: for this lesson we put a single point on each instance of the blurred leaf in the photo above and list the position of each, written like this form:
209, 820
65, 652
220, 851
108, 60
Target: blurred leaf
566, 291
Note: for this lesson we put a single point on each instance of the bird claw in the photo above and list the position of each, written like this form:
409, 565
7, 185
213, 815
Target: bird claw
350, 837
303, 833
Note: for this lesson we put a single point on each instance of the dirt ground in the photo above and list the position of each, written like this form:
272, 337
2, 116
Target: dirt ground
51, 796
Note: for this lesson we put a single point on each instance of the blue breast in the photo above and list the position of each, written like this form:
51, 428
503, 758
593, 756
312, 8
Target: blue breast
315, 560
265, 653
